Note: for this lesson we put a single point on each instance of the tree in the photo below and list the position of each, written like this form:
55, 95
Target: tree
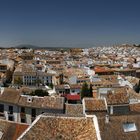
18, 81
84, 91
137, 87
61, 78
9, 76
39, 92
90, 91
51, 85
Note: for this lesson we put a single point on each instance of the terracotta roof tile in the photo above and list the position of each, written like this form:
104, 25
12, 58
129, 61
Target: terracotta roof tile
60, 127
10, 95
102, 69
74, 109
73, 97
114, 129
11, 130
94, 104
42, 102
76, 86
135, 107
117, 98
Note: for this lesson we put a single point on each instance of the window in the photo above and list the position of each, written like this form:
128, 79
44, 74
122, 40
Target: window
23, 120
129, 127
10, 118
22, 109
11, 109
33, 112
1, 108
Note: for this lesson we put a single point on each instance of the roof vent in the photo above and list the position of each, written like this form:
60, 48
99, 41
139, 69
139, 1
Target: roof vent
107, 119
29, 99
129, 127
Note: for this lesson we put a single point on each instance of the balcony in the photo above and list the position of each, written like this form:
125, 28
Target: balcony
2, 115
10, 113
22, 115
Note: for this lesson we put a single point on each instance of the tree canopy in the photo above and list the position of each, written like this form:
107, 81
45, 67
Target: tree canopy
137, 87
39, 92
86, 90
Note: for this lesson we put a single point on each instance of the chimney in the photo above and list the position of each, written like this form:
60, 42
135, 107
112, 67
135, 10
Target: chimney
1, 90
107, 119
111, 109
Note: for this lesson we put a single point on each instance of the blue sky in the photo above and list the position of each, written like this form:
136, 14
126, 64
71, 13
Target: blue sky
69, 23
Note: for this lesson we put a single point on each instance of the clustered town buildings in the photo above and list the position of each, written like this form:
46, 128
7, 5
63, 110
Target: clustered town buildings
111, 112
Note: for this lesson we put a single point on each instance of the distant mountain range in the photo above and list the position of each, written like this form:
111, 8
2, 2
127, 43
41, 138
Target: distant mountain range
22, 46
28, 46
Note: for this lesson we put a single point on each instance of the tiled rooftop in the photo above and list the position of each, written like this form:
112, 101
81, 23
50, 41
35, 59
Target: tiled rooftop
11, 130
74, 109
94, 104
114, 129
117, 98
135, 108
13, 96
42, 102
61, 128
10, 95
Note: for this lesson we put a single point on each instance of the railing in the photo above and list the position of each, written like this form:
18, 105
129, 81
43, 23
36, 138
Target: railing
22, 115
2, 114
10, 112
